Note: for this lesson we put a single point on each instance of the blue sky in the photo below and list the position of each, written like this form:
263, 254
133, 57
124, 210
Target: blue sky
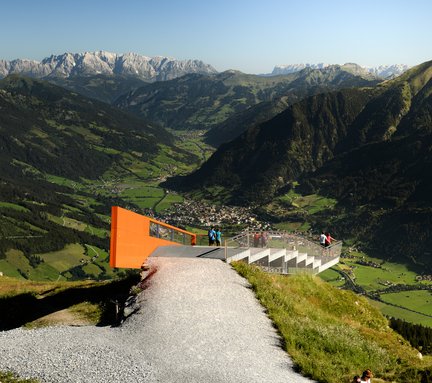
248, 35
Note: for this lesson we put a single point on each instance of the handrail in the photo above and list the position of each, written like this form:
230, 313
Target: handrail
283, 239
158, 229
134, 237
168, 226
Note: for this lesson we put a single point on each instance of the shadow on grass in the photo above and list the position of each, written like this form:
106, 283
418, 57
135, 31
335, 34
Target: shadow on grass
23, 308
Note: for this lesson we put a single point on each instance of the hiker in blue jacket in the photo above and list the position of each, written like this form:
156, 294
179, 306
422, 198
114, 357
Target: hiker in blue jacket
211, 236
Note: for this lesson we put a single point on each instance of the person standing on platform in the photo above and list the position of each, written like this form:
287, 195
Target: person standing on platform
211, 236
329, 239
218, 237
322, 239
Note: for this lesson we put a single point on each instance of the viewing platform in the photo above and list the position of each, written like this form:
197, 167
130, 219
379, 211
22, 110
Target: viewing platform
135, 237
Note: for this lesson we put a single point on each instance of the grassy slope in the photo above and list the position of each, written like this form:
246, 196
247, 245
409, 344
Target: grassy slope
333, 334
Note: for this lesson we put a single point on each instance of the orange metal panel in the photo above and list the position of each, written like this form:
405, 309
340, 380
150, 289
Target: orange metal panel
131, 243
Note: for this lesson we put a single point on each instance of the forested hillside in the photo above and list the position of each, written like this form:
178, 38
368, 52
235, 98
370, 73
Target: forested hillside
204, 102
64, 161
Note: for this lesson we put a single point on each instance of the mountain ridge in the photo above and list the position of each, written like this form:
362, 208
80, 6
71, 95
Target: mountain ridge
102, 62
202, 102
381, 71
156, 68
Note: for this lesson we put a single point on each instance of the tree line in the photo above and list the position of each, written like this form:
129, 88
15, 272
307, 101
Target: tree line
419, 336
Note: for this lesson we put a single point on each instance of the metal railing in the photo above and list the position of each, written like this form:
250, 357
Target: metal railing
282, 239
170, 233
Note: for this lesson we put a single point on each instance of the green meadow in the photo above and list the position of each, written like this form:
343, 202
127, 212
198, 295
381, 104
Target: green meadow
371, 278
417, 300
403, 313
414, 306
167, 201
66, 258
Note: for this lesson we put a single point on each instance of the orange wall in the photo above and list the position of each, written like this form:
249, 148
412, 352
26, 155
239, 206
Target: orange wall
131, 243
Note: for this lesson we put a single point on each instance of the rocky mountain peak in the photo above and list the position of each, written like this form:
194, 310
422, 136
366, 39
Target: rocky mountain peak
102, 62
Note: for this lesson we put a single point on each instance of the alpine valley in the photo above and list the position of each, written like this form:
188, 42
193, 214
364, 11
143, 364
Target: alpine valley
82, 132
368, 148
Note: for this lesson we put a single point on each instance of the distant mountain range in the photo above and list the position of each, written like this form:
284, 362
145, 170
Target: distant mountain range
105, 63
382, 71
152, 68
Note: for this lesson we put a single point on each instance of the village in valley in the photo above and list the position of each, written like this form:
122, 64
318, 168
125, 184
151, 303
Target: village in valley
201, 215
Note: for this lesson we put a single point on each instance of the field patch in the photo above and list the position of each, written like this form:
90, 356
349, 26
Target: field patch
371, 278
417, 300
143, 196
92, 269
44, 272
332, 277
66, 258
68, 222
9, 270
167, 201
401, 313
17, 259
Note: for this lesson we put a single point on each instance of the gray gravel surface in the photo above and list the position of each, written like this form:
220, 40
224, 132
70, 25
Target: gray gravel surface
198, 322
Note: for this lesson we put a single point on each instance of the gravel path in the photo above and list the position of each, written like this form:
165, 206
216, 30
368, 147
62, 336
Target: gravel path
198, 322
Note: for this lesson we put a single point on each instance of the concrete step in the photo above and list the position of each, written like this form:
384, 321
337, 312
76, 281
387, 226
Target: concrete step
237, 254
276, 254
301, 257
257, 254
274, 259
